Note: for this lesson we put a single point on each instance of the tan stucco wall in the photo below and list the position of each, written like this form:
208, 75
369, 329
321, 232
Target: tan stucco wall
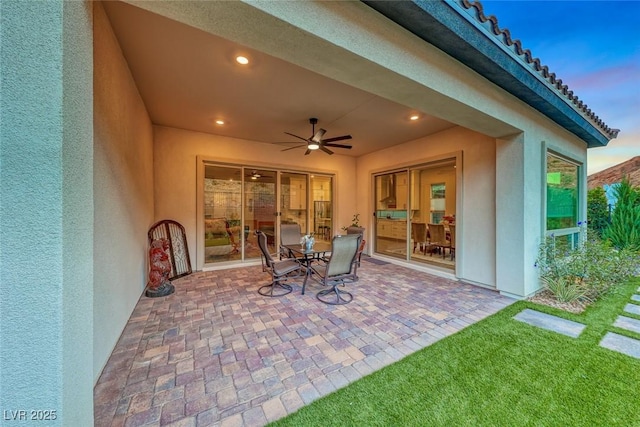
176, 154
520, 187
123, 173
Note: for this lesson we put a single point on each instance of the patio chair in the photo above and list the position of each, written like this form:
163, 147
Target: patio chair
357, 230
289, 235
326, 258
281, 271
341, 267
438, 238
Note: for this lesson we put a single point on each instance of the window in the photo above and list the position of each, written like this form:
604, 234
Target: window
438, 191
563, 201
562, 193
438, 202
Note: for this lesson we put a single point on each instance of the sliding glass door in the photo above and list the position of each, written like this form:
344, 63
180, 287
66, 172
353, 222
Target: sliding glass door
238, 200
391, 214
322, 207
415, 213
259, 209
294, 206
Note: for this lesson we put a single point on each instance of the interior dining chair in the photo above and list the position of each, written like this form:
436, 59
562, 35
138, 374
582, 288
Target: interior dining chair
281, 271
452, 240
419, 236
438, 238
289, 235
341, 267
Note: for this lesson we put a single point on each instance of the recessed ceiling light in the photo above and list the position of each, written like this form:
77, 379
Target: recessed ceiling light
242, 60
219, 122
414, 117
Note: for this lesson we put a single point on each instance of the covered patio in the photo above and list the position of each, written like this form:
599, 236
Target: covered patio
218, 353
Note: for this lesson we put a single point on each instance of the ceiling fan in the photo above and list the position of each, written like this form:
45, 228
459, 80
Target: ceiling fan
316, 142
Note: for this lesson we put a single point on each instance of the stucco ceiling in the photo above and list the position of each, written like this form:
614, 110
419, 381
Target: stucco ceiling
189, 78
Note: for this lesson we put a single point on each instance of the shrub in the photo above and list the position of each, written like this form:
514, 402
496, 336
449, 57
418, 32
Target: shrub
586, 272
597, 211
566, 289
624, 230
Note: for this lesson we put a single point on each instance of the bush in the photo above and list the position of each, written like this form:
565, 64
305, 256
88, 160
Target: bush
597, 211
624, 230
584, 273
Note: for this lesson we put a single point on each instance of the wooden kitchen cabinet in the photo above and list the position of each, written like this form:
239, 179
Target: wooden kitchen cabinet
383, 228
399, 229
401, 191
392, 229
297, 193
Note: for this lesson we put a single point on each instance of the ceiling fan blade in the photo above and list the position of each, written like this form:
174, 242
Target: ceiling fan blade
348, 147
307, 152
296, 136
291, 148
318, 136
337, 138
325, 149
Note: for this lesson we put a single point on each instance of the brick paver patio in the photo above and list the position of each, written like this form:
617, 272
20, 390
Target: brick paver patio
218, 353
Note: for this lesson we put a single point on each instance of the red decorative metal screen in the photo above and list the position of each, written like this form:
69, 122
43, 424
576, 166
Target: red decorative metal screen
178, 249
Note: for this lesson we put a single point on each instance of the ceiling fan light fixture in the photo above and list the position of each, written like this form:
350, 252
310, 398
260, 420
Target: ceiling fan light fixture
313, 145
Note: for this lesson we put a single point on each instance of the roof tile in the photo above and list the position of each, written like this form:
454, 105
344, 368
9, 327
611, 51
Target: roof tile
504, 35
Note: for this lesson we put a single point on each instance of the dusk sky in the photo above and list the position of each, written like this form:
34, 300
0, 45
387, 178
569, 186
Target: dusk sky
594, 47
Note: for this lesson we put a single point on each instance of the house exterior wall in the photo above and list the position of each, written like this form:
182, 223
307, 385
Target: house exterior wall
124, 188
46, 213
178, 153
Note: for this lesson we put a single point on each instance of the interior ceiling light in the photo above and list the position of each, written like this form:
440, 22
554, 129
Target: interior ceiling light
219, 122
255, 175
313, 145
242, 60
414, 117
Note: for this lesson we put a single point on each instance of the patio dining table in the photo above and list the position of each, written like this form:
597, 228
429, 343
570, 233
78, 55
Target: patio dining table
308, 256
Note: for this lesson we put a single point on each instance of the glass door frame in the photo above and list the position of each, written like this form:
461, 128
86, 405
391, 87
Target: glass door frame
203, 162
409, 168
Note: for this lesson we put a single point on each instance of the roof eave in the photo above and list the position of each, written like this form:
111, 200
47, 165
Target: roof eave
463, 37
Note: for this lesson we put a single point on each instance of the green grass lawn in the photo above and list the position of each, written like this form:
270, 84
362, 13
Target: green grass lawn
499, 372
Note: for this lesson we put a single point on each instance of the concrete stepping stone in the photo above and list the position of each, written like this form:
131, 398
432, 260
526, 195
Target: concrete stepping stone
621, 344
635, 297
628, 323
632, 308
551, 323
